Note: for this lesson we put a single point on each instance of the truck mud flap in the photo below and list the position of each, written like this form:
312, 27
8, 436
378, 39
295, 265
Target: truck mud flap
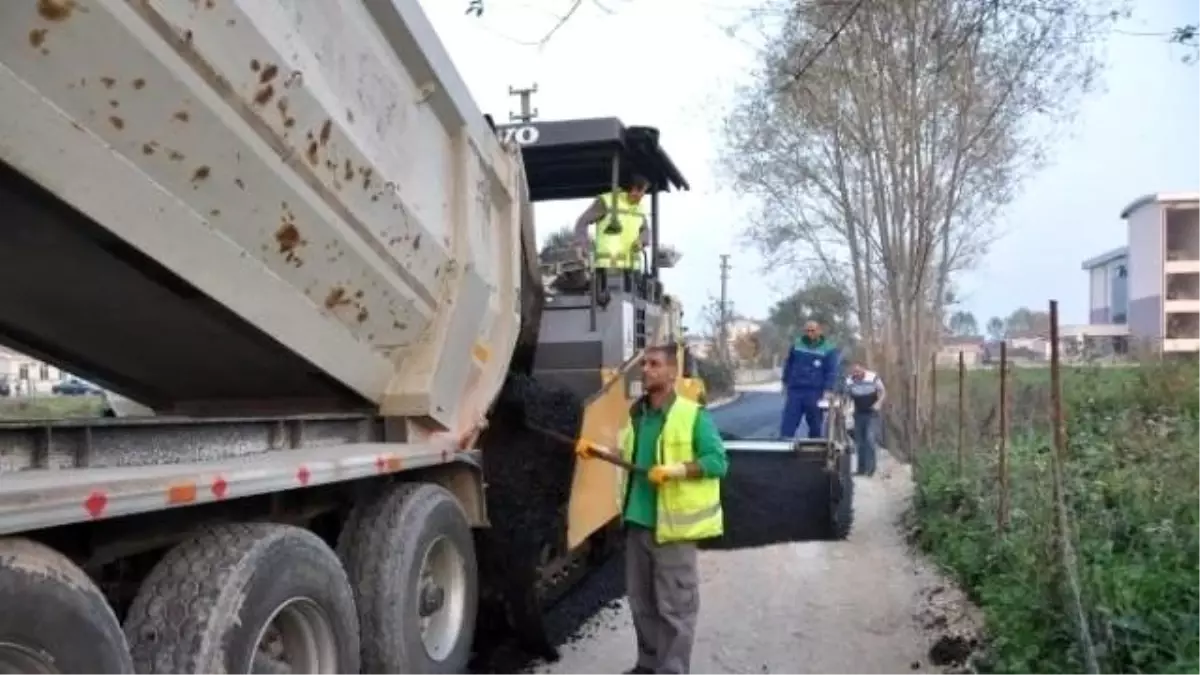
780, 491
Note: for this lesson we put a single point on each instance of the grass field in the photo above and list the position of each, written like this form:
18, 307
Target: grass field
49, 407
1131, 495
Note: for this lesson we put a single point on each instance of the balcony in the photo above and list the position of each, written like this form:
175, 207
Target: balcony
1182, 292
1182, 253
1183, 326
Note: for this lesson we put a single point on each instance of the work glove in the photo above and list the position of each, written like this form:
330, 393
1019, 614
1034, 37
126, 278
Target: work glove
588, 450
662, 473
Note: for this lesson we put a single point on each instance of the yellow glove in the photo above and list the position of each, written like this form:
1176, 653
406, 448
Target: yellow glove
662, 473
585, 449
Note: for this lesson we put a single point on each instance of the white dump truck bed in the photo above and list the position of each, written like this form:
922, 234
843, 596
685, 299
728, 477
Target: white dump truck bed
252, 206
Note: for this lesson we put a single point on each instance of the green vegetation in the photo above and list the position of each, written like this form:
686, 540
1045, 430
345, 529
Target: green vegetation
1131, 494
717, 376
50, 407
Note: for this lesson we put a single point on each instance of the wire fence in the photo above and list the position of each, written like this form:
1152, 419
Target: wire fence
1050, 488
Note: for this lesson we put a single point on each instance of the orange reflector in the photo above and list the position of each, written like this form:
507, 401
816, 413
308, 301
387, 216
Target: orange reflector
181, 493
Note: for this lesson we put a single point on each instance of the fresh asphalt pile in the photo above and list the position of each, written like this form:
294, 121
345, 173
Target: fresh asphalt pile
528, 476
772, 498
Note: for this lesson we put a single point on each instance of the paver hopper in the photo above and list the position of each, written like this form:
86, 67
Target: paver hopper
781, 490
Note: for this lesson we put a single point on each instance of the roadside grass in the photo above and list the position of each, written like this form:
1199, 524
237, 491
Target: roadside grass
1132, 495
50, 407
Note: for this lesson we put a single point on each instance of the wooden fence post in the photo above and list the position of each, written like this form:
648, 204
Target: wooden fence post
1003, 506
962, 408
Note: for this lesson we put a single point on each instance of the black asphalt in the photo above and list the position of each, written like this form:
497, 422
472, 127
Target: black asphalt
753, 415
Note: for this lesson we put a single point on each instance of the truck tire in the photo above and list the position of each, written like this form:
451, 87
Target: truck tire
245, 598
410, 555
53, 618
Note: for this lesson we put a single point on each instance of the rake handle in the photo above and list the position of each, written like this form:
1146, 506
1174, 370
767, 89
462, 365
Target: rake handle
599, 452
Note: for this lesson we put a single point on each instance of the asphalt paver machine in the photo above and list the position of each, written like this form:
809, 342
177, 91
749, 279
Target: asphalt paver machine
596, 321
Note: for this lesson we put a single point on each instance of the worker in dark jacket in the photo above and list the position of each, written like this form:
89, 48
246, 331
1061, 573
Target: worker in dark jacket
809, 375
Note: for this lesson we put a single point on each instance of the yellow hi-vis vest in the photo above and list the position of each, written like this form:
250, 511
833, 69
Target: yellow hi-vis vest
616, 249
689, 509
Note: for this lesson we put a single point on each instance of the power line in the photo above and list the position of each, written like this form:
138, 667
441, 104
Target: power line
825, 46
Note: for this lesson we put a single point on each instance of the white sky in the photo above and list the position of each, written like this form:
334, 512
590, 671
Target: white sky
677, 66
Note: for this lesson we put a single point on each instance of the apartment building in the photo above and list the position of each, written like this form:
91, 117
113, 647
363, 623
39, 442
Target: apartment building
1151, 286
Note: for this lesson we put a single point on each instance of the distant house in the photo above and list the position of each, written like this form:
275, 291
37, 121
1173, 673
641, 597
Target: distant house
25, 375
700, 347
970, 346
1029, 345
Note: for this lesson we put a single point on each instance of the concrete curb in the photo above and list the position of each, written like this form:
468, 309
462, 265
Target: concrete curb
713, 405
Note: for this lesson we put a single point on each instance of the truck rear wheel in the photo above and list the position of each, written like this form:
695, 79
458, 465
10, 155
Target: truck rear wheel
62, 623
410, 555
245, 598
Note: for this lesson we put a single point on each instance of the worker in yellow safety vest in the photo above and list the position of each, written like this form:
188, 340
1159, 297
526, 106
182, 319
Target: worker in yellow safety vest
619, 241
669, 503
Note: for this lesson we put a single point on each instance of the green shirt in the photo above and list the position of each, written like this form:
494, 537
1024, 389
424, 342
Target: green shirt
641, 500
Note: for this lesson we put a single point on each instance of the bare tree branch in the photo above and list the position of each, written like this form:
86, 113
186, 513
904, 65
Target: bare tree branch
885, 156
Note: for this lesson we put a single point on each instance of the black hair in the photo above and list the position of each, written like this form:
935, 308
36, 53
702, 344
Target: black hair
667, 352
637, 180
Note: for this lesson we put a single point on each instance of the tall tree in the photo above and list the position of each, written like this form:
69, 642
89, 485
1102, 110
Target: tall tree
995, 328
963, 323
558, 241
1025, 320
820, 300
881, 138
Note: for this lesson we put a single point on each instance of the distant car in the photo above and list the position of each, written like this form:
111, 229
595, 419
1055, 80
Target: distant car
74, 387
5, 390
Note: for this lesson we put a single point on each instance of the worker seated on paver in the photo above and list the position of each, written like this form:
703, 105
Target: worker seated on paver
619, 241
809, 376
670, 501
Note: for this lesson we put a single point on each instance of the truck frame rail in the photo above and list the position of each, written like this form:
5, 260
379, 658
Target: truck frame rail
70, 471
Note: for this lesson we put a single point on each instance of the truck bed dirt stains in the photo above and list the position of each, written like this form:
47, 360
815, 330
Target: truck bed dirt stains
55, 10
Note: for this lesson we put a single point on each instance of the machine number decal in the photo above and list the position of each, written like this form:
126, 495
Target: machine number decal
524, 135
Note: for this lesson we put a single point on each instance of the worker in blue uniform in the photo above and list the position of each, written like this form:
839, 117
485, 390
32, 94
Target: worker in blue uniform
809, 375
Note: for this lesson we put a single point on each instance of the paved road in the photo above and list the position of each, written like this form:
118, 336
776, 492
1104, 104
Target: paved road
753, 414
816, 607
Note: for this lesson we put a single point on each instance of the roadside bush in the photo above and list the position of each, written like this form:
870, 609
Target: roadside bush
717, 376
1131, 492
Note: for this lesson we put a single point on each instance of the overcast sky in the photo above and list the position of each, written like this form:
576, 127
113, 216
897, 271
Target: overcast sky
678, 64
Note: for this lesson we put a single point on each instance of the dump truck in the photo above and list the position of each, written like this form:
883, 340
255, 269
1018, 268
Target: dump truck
303, 260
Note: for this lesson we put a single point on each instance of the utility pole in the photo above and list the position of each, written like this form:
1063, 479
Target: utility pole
527, 111
723, 331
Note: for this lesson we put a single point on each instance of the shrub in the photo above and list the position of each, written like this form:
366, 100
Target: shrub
718, 377
1131, 492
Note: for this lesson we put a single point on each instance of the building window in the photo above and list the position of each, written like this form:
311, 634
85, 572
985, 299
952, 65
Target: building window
43, 372
23, 372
